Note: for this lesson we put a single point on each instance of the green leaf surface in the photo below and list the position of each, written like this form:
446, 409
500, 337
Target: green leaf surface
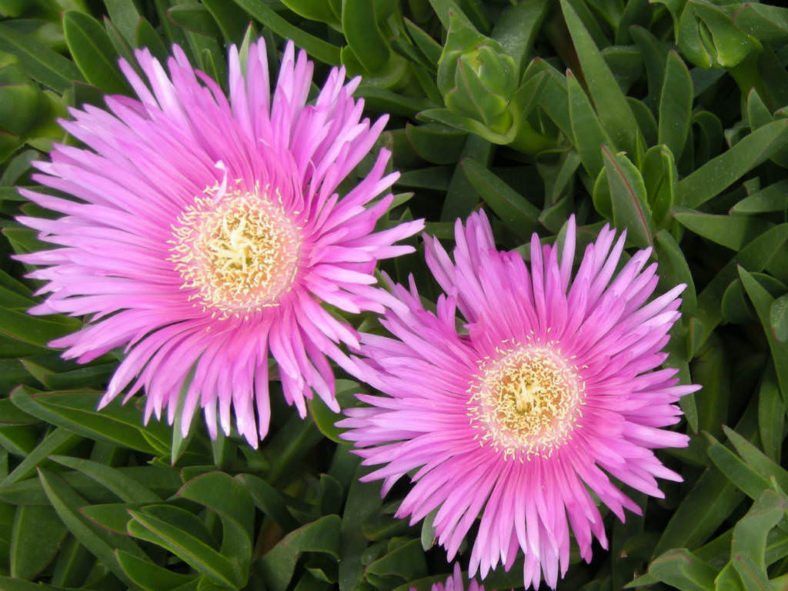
778, 319
360, 27
589, 137
462, 198
149, 576
771, 414
319, 536
75, 411
146, 36
34, 330
436, 143
674, 269
269, 500
748, 546
93, 52
628, 198
363, 500
42, 63
771, 198
124, 16
762, 301
162, 481
754, 257
194, 18
314, 46
682, 570
113, 517
126, 488
231, 19
316, 10
324, 417
730, 231
763, 21
517, 27
700, 512
746, 479
756, 459
35, 540
224, 495
58, 440
718, 174
675, 105
611, 105
99, 542
187, 546
12, 584
515, 211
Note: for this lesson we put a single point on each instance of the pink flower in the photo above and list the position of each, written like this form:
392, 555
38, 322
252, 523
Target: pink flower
552, 387
206, 232
454, 583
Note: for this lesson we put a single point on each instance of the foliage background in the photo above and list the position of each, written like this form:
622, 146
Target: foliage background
667, 117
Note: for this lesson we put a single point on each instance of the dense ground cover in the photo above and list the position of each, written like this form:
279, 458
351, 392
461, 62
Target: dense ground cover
668, 119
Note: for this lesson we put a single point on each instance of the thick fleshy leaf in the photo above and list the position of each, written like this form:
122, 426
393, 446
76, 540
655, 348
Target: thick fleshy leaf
166, 529
269, 500
756, 459
675, 105
778, 318
42, 63
126, 488
589, 137
58, 440
682, 570
93, 52
771, 415
610, 103
718, 174
150, 576
324, 417
514, 210
314, 46
359, 24
746, 478
748, 546
100, 542
628, 198
363, 500
731, 231
771, 198
35, 540
762, 301
319, 536
757, 255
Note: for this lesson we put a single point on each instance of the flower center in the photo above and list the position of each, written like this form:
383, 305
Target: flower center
237, 250
526, 401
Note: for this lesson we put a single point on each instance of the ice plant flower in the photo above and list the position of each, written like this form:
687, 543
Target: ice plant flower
205, 232
454, 583
552, 387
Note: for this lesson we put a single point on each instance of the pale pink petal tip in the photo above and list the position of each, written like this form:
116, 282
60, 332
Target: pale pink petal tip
206, 234
455, 583
522, 419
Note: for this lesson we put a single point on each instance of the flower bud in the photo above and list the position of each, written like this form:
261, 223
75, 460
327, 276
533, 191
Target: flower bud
476, 77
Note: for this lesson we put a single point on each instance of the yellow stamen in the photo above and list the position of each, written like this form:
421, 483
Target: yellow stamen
238, 250
526, 401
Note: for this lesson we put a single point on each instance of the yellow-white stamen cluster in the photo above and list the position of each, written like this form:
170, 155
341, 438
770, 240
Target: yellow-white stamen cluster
526, 400
236, 249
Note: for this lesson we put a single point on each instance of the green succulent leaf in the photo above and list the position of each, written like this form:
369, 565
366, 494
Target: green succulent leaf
93, 52
319, 536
